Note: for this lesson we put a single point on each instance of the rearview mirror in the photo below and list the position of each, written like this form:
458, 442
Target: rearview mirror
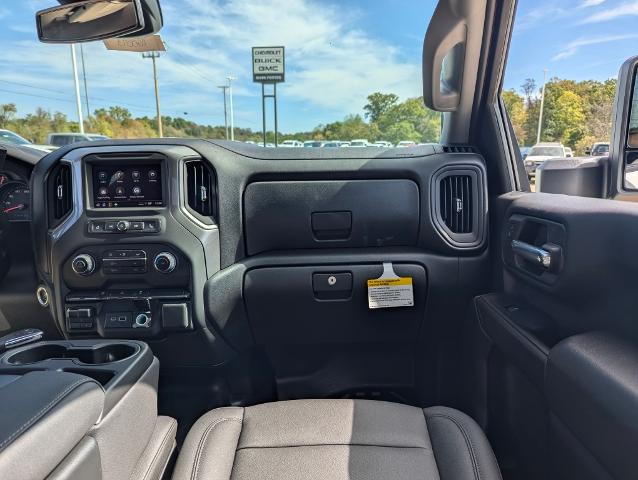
88, 20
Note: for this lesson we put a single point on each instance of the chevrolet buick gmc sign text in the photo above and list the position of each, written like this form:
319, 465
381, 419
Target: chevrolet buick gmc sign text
268, 64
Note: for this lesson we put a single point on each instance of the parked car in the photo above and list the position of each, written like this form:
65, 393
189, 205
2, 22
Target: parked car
313, 144
344, 144
12, 138
406, 143
61, 139
541, 152
291, 144
359, 143
598, 149
569, 152
331, 145
382, 144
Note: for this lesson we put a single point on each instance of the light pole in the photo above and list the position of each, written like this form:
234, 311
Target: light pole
232, 113
153, 56
86, 90
224, 88
77, 88
540, 114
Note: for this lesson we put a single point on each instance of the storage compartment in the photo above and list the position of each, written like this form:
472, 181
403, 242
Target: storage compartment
329, 214
109, 353
524, 334
293, 305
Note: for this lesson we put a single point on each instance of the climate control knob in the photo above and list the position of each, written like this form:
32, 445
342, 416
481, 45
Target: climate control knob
122, 226
165, 262
83, 264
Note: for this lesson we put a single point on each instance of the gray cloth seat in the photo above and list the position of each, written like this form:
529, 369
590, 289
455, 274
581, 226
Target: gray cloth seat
335, 439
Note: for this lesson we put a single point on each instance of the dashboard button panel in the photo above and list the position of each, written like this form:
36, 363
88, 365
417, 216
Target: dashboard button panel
119, 226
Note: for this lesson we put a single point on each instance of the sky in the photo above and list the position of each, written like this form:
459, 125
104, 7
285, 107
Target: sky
337, 53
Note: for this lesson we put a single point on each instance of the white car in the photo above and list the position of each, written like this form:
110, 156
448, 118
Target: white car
61, 139
406, 143
360, 143
291, 144
12, 138
313, 144
382, 144
542, 152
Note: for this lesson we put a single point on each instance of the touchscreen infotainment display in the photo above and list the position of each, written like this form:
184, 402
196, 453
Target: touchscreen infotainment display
117, 186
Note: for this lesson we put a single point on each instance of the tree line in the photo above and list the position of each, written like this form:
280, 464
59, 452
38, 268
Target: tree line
575, 113
385, 118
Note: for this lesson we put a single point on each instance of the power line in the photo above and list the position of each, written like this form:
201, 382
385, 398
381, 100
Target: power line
35, 95
108, 101
32, 86
187, 65
14, 92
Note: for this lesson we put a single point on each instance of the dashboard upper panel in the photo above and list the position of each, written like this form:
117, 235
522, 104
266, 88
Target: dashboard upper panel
238, 165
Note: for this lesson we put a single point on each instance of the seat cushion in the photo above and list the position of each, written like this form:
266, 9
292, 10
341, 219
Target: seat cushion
335, 439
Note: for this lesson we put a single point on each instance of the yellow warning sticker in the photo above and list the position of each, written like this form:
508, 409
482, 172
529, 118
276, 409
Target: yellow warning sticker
390, 290
386, 282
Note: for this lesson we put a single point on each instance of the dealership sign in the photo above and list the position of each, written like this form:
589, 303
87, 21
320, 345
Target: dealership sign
268, 64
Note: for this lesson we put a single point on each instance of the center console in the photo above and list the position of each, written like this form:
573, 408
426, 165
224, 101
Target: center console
74, 402
127, 289
131, 239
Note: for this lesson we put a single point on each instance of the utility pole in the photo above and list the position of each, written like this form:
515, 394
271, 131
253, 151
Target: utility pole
224, 88
77, 88
232, 113
153, 56
540, 114
86, 90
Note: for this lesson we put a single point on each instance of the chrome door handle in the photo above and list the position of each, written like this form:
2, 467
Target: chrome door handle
532, 254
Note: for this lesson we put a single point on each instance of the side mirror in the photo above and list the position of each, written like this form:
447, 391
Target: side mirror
623, 150
88, 20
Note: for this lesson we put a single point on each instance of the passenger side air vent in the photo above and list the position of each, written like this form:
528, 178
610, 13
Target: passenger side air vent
60, 193
459, 149
201, 189
459, 204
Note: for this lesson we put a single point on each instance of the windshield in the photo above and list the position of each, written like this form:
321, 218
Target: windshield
546, 152
12, 138
352, 71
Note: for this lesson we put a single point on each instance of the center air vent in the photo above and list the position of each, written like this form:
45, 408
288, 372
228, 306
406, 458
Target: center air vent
459, 203
201, 189
60, 193
456, 202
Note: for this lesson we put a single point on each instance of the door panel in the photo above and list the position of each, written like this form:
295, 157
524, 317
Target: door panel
563, 337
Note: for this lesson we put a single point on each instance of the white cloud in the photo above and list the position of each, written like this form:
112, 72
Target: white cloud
572, 48
622, 10
591, 3
540, 15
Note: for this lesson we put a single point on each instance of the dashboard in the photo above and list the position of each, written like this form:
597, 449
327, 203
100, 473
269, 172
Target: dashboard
195, 245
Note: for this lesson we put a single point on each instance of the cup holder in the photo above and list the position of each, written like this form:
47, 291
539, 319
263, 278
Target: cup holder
108, 353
